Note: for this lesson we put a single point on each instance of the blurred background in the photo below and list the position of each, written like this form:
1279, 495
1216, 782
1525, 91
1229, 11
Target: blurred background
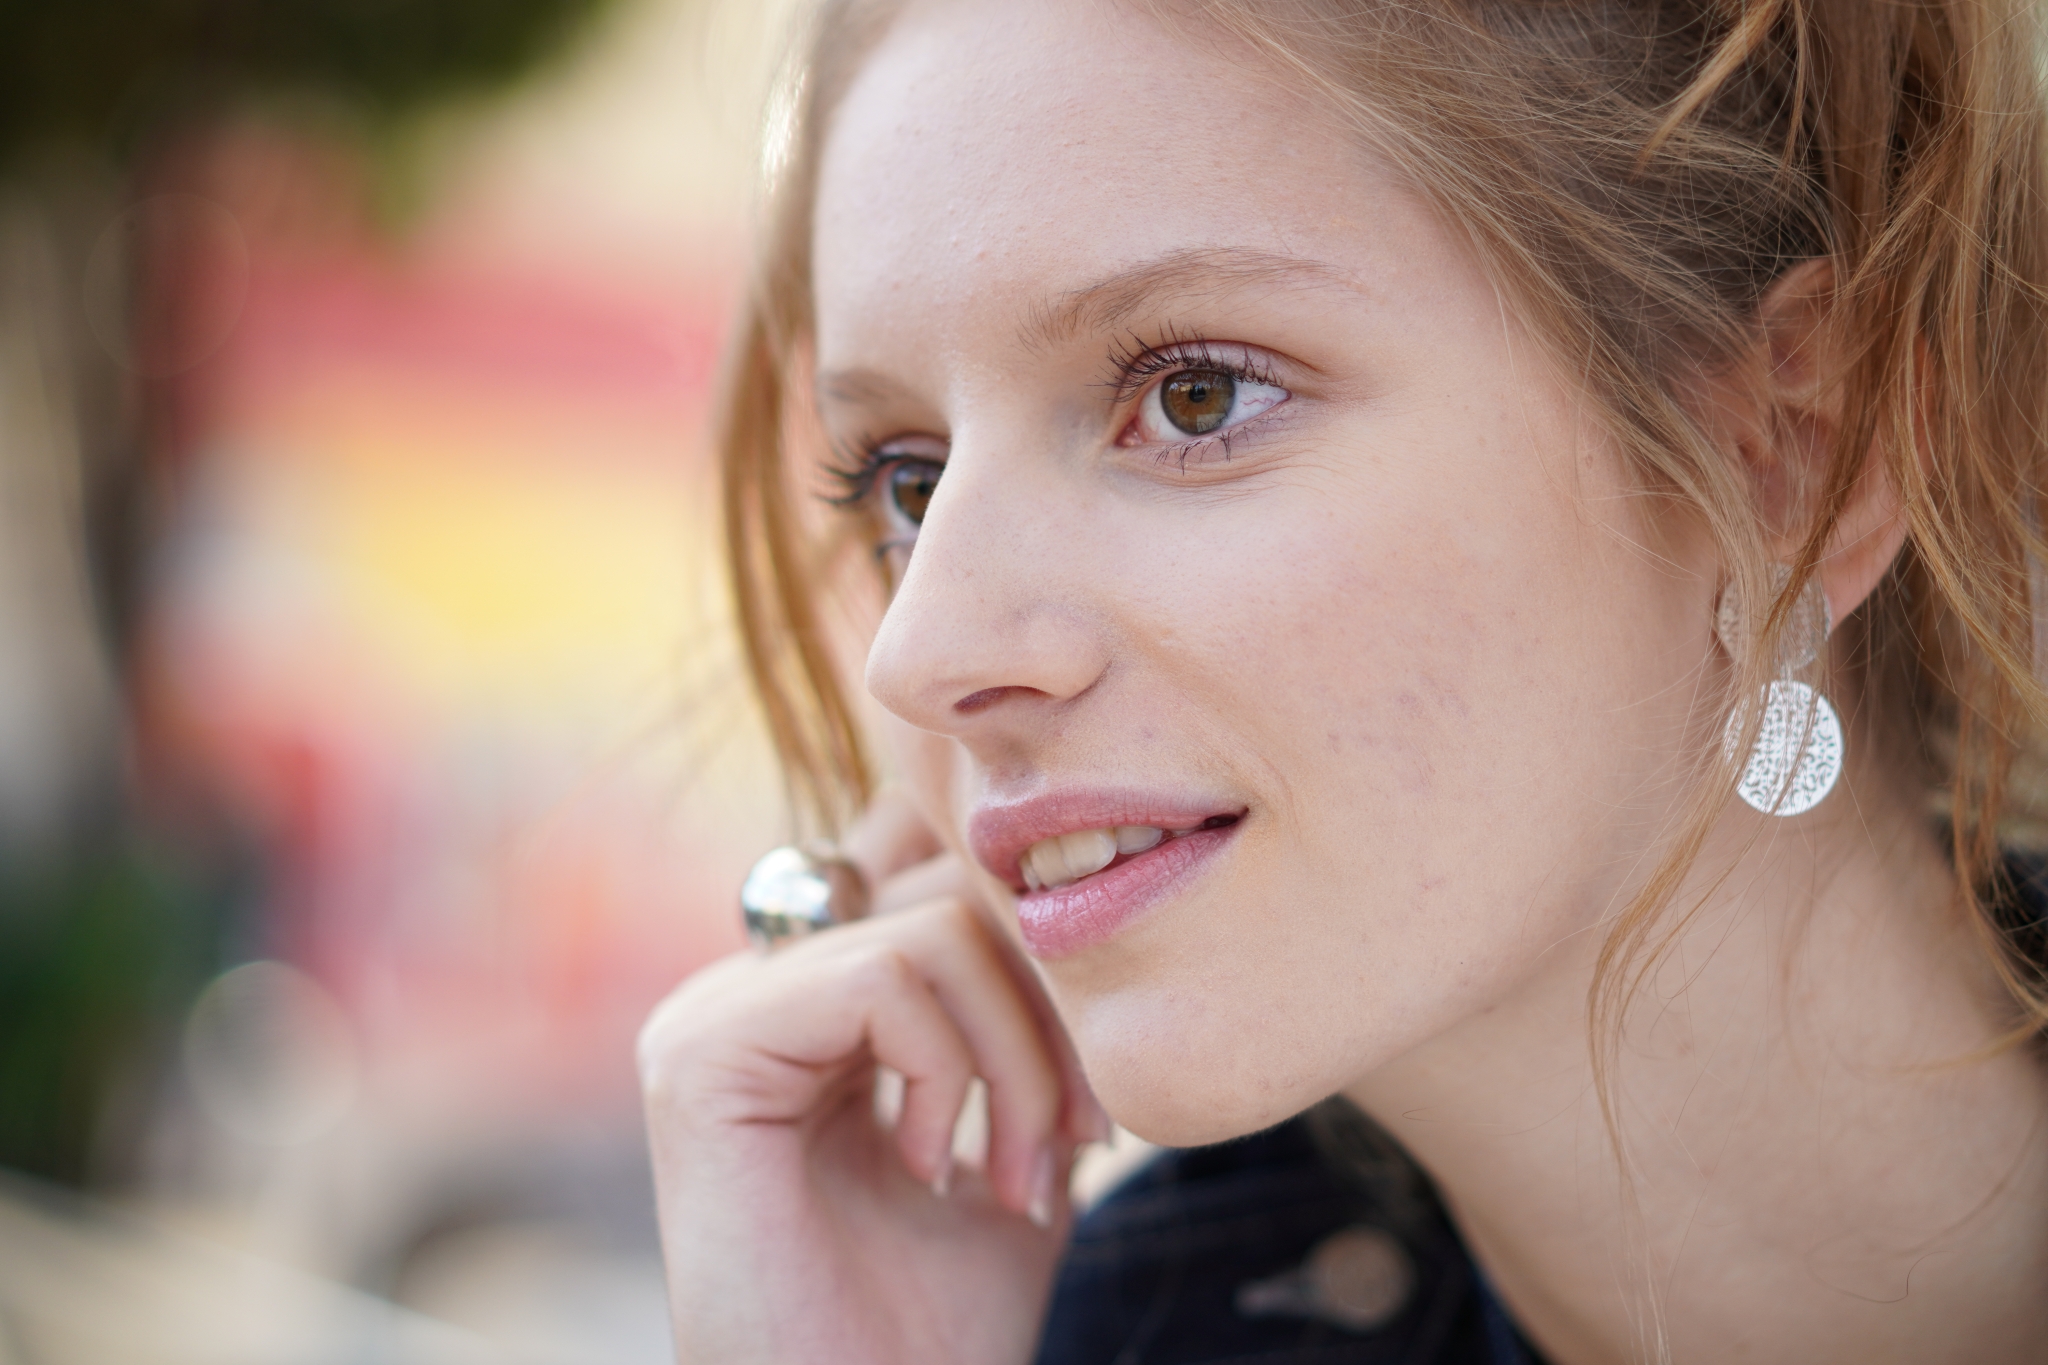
373, 753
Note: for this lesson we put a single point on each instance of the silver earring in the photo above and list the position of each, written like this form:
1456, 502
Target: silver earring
1798, 752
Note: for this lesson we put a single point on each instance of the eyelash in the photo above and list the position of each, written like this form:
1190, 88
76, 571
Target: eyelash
858, 467
1133, 361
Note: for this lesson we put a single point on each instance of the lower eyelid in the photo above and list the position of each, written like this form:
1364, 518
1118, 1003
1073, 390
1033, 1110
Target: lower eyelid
1201, 449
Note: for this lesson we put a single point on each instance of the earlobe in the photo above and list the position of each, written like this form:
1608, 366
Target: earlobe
1790, 445
1867, 539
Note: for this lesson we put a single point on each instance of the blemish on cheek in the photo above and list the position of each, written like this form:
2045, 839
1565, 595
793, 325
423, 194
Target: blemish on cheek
1448, 698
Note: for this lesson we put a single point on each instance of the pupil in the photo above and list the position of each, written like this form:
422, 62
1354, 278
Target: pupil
911, 486
1197, 401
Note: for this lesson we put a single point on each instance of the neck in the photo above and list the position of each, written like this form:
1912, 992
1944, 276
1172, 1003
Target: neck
1828, 1157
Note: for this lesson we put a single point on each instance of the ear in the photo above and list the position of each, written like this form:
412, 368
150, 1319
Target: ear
1783, 414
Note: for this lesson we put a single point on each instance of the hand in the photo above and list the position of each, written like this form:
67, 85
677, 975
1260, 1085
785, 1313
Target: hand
798, 1226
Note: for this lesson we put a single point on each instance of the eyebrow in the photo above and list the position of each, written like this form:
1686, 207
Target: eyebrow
1195, 272
856, 387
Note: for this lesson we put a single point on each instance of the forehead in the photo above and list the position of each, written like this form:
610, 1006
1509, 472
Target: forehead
993, 156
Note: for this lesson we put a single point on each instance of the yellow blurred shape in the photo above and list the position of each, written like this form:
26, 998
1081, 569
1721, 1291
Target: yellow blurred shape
490, 577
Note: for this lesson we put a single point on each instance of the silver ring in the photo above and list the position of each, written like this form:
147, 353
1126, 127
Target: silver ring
794, 892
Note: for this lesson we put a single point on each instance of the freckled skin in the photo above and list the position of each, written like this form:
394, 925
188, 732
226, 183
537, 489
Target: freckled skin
1403, 624
1420, 627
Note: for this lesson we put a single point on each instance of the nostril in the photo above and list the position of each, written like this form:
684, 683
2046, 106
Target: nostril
979, 701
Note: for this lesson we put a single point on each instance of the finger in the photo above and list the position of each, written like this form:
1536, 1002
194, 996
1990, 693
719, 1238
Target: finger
1082, 1117
933, 879
775, 1039
928, 993
910, 1031
1060, 1210
894, 835
890, 835
1012, 1051
663, 1033
1037, 1088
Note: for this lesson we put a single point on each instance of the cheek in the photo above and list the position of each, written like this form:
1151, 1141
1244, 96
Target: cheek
1412, 654
1432, 696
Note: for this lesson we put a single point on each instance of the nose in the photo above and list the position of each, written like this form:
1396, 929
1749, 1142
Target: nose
991, 628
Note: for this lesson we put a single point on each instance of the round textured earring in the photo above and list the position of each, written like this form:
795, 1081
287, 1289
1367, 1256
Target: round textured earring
1798, 752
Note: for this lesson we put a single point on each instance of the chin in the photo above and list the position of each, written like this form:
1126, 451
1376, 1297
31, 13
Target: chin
1182, 1097
1181, 1116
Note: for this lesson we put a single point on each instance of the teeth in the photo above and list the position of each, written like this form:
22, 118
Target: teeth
1069, 857
1088, 851
1048, 866
1137, 838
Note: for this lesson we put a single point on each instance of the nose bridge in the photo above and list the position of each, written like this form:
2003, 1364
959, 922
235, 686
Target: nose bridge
990, 605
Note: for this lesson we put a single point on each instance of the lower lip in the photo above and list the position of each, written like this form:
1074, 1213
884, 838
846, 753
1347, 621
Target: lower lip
1064, 921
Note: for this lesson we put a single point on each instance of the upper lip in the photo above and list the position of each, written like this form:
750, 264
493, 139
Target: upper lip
998, 833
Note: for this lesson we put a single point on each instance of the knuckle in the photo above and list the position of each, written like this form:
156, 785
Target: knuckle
674, 1035
669, 1028
884, 969
948, 921
945, 1069
651, 1046
1028, 1084
725, 1002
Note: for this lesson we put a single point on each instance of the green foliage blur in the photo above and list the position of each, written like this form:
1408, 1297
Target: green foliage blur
99, 954
106, 934
108, 72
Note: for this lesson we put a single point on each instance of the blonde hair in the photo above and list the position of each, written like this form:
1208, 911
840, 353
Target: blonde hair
1635, 174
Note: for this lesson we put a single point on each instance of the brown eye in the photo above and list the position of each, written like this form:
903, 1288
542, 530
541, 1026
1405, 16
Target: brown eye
910, 485
1197, 401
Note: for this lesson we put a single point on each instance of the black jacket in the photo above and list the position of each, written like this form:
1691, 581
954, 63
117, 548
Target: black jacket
1314, 1243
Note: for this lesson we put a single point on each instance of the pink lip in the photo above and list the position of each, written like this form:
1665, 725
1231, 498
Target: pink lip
1081, 914
1060, 922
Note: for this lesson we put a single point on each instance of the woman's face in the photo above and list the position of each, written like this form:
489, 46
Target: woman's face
1256, 548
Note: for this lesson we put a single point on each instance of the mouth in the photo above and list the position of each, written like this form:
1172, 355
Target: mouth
1064, 859
1084, 866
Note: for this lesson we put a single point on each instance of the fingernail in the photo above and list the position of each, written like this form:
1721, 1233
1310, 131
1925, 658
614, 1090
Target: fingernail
942, 1183
1100, 1128
1040, 1209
